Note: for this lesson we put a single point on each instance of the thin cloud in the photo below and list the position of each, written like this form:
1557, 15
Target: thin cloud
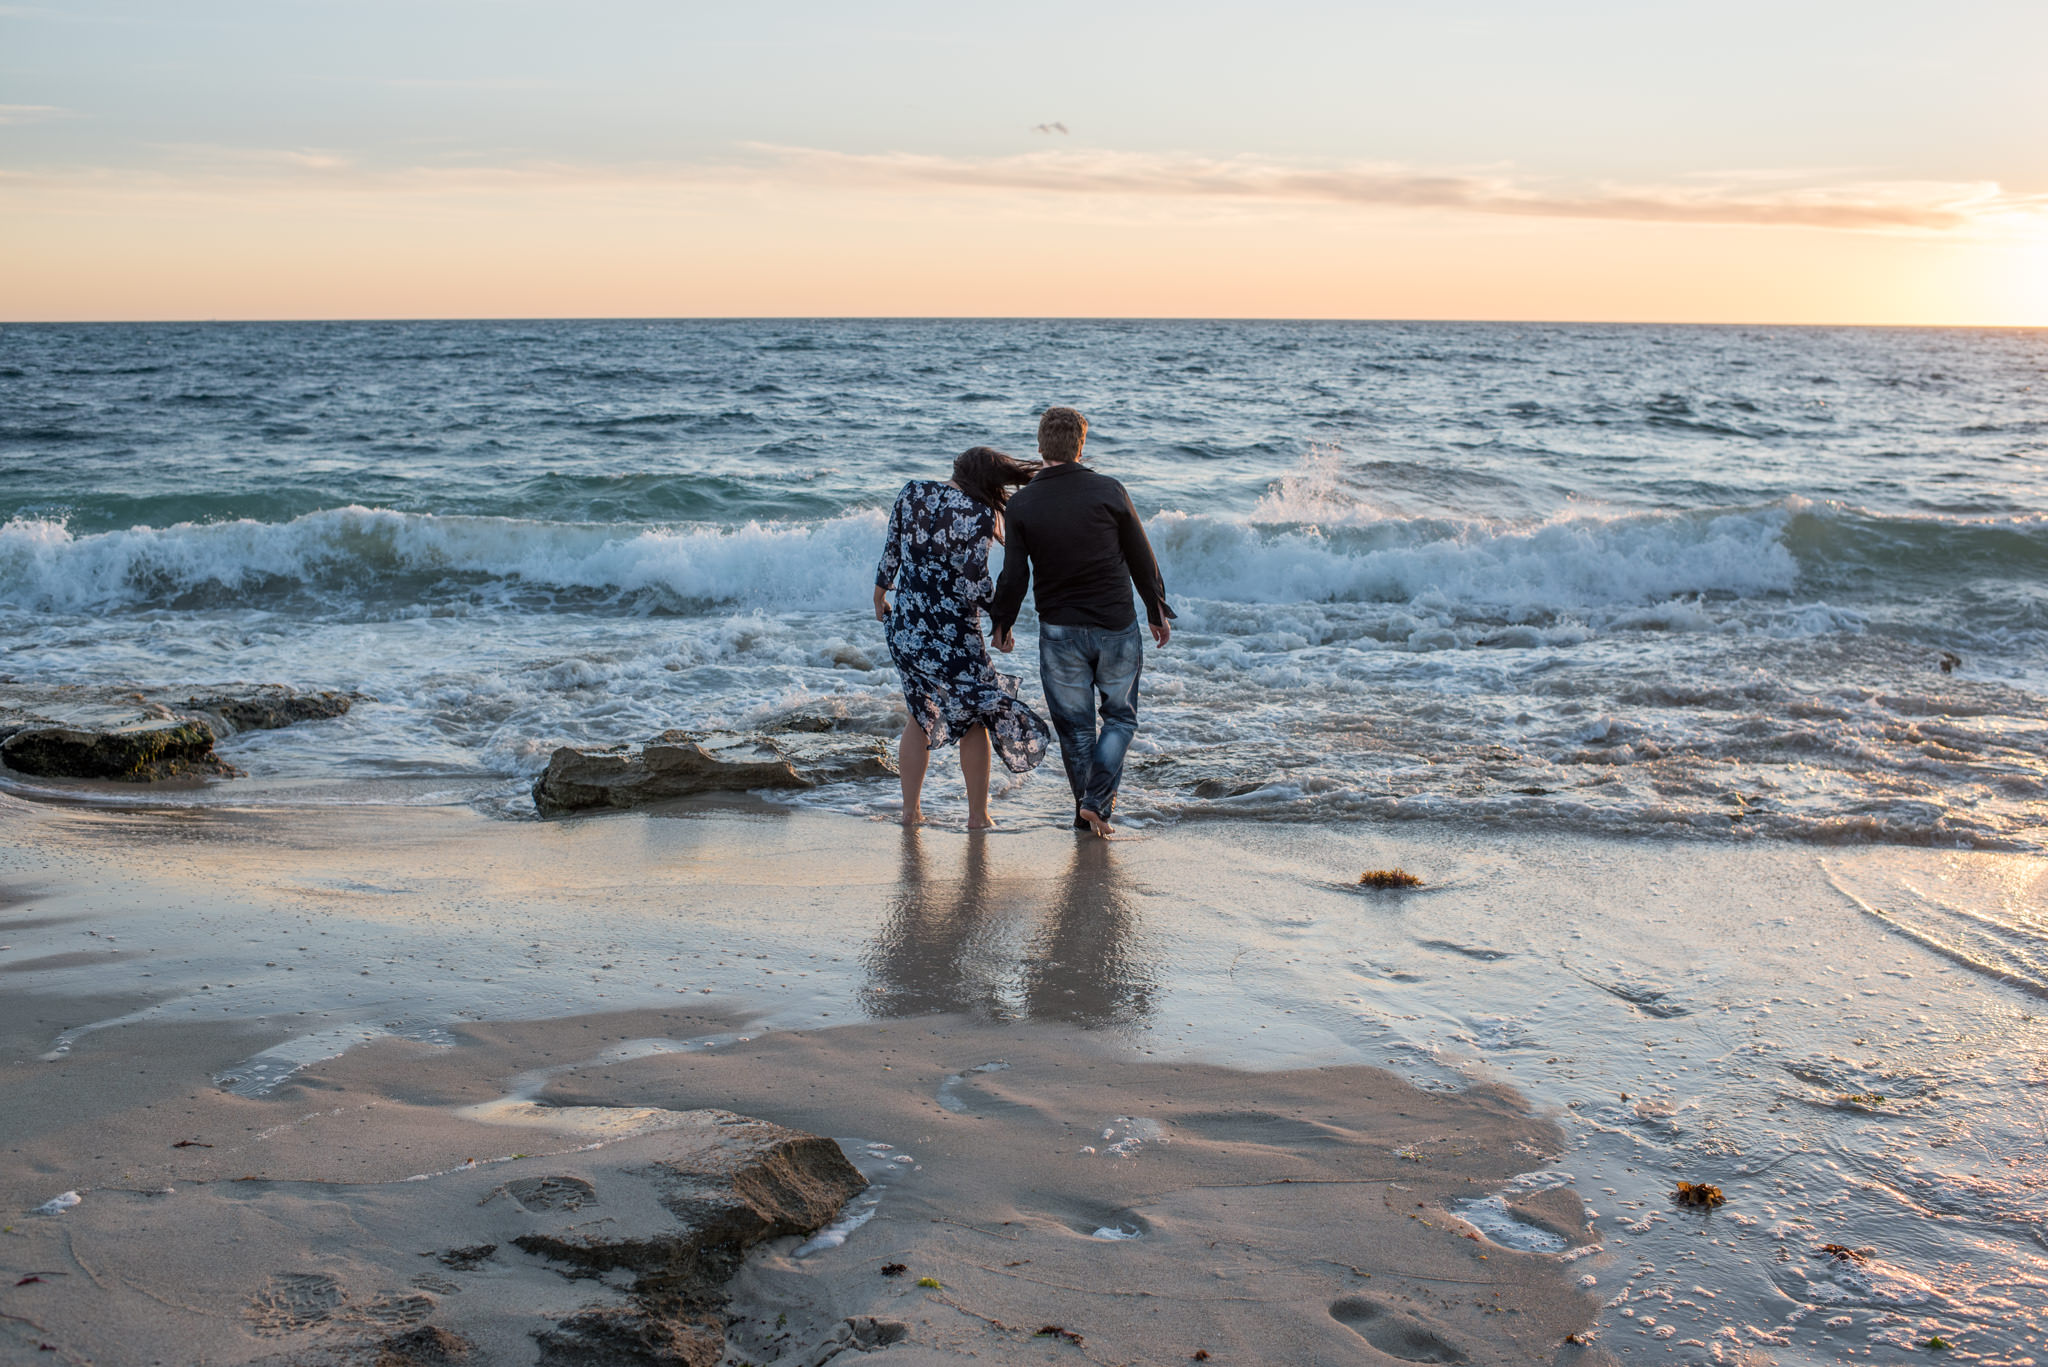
469, 83
1820, 201
28, 113
222, 157
1928, 206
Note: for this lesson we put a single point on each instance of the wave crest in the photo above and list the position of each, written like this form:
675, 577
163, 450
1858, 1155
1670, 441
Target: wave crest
373, 556
1628, 568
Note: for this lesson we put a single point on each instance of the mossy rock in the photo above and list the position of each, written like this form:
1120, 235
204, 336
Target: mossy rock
130, 754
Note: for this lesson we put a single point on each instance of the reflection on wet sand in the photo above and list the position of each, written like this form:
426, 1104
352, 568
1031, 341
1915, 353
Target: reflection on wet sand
1010, 945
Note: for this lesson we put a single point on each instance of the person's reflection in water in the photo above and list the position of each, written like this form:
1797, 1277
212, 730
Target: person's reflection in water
942, 948
933, 953
1082, 967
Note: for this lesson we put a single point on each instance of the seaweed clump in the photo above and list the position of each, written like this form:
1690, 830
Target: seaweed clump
1701, 1194
1388, 878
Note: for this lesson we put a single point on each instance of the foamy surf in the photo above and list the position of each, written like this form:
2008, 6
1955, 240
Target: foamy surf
1635, 590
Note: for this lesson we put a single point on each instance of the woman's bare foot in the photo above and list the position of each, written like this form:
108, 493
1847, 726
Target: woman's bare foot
913, 817
1097, 824
982, 823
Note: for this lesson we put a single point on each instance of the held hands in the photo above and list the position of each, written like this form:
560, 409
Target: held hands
1162, 632
1006, 640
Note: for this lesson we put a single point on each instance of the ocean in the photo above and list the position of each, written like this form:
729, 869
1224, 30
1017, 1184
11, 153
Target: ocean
1698, 580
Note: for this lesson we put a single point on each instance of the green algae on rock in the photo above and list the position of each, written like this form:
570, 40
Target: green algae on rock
130, 735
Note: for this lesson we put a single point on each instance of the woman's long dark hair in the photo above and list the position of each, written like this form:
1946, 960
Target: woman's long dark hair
986, 474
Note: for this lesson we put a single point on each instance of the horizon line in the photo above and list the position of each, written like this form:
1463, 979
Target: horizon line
1006, 318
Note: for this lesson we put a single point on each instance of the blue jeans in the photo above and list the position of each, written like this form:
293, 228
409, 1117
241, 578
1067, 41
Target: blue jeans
1078, 665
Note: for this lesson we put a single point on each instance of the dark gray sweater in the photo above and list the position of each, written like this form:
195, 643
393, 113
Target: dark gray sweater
1076, 531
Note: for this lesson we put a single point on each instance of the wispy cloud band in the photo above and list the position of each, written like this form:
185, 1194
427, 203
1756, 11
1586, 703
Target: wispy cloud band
1927, 206
1822, 199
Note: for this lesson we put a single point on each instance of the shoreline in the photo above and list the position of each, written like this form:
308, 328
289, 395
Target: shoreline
314, 948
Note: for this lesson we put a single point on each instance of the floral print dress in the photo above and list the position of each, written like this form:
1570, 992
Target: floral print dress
936, 559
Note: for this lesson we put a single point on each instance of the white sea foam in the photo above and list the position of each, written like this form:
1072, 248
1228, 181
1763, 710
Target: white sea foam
800, 564
1565, 563
1643, 671
357, 552
1492, 1218
260, 1073
837, 1232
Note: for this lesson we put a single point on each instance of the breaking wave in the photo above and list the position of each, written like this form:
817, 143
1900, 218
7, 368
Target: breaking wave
368, 558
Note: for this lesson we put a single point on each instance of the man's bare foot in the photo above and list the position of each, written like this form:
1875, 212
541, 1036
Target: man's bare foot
986, 823
1097, 824
913, 817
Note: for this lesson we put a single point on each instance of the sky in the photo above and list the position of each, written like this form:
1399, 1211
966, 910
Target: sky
1800, 161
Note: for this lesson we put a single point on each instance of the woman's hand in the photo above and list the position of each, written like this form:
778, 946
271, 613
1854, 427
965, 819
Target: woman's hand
881, 604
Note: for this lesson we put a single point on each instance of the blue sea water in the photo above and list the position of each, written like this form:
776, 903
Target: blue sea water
1632, 579
1665, 581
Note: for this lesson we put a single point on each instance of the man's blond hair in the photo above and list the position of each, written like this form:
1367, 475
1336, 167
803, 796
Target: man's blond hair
1061, 434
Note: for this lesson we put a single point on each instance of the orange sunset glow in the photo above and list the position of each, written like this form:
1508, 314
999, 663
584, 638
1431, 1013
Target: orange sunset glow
247, 161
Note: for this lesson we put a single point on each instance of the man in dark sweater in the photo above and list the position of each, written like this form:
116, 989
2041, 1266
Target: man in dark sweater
1078, 533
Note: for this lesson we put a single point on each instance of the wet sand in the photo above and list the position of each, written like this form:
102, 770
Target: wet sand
1154, 1209
1343, 1126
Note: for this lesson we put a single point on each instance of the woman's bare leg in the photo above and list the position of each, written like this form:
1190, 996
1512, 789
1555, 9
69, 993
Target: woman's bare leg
912, 754
974, 764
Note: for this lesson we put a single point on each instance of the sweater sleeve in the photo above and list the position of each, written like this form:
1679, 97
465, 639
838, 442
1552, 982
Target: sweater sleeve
1016, 576
1137, 548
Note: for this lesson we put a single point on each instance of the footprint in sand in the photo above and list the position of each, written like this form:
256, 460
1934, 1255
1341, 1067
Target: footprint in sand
1097, 1219
537, 1194
1392, 1332
291, 1301
389, 1311
466, 1259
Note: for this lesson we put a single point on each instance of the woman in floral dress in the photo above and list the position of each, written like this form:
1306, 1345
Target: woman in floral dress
936, 559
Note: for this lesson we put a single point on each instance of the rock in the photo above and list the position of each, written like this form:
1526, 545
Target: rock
268, 707
858, 713
613, 1236
1580, 1351
683, 763
426, 1346
138, 752
629, 1337
755, 1181
803, 723
141, 736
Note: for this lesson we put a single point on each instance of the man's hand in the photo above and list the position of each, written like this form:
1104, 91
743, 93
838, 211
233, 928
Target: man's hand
881, 605
1162, 632
1006, 640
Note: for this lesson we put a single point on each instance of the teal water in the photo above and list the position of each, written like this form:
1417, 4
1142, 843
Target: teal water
1697, 580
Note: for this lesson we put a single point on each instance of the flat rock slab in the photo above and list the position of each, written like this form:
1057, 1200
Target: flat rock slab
142, 735
679, 764
612, 1250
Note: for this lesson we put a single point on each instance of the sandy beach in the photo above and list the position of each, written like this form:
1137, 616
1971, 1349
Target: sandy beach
1195, 1092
